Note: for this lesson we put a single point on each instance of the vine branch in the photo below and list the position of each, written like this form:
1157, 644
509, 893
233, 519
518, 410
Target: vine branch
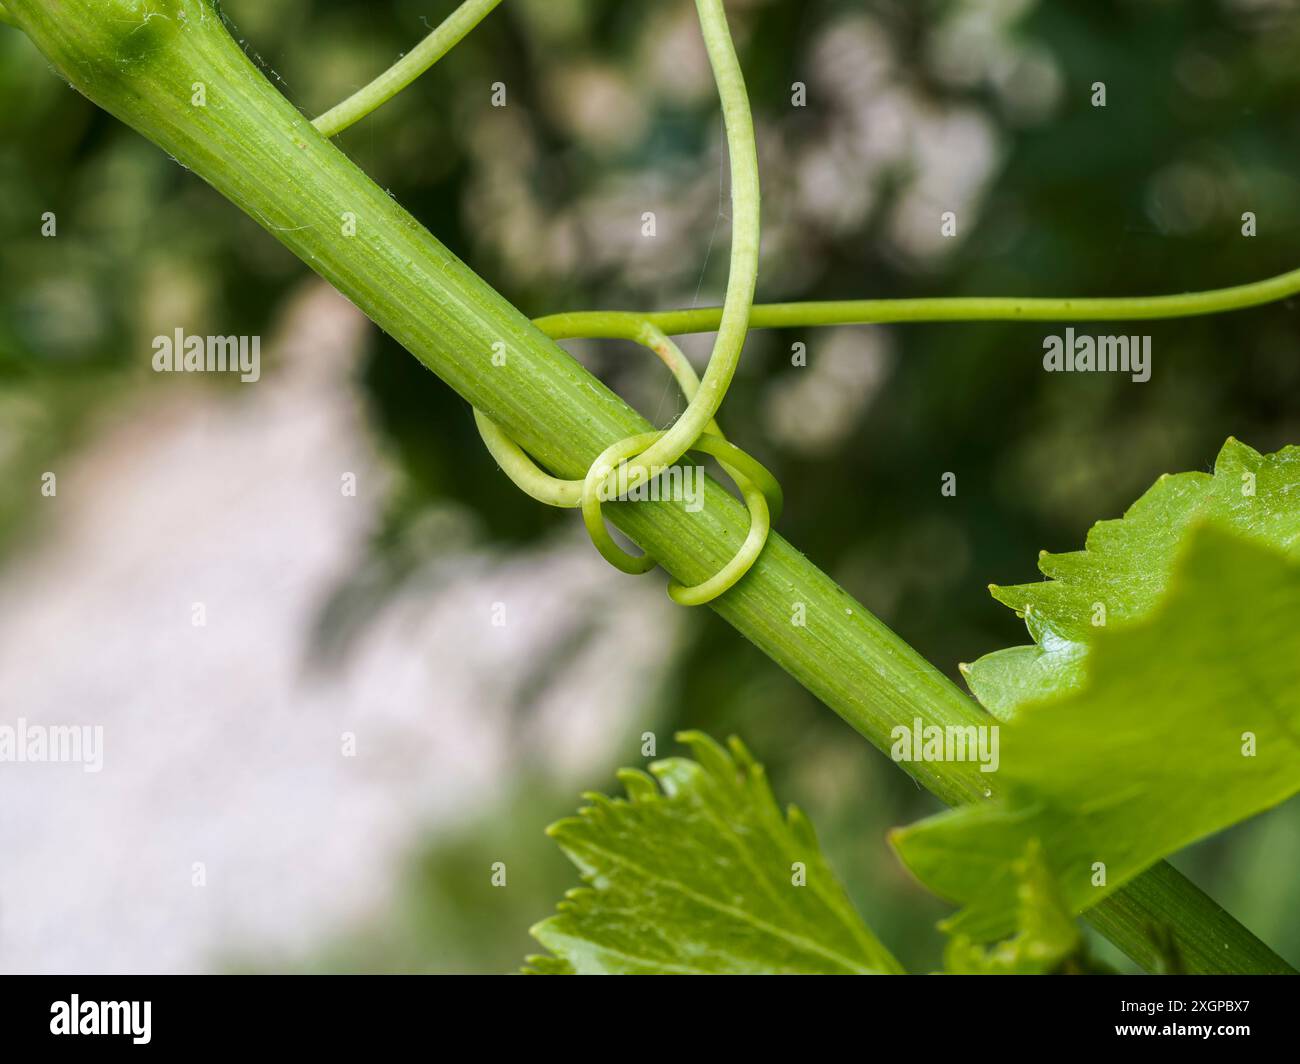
449, 33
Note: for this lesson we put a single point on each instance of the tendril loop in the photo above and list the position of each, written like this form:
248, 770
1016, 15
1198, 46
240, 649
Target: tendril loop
642, 457
761, 492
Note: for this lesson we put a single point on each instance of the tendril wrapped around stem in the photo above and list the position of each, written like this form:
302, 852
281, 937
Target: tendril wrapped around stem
760, 489
644, 456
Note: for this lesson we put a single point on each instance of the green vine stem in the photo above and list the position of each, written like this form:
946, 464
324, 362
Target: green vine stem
442, 40
140, 62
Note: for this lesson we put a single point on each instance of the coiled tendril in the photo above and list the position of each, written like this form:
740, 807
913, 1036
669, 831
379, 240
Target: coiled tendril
761, 491
642, 457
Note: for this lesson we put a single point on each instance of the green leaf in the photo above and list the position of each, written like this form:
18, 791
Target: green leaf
700, 877
1152, 753
1047, 940
1125, 568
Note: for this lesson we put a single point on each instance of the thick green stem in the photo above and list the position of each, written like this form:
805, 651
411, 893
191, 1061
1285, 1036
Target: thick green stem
398, 76
141, 60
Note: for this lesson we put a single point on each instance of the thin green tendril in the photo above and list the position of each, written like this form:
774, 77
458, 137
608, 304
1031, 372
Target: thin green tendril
600, 324
397, 77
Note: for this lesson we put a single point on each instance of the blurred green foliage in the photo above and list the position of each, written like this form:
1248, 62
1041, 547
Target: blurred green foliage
912, 108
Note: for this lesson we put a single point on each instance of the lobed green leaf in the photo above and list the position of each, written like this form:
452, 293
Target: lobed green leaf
1125, 567
699, 873
1186, 722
